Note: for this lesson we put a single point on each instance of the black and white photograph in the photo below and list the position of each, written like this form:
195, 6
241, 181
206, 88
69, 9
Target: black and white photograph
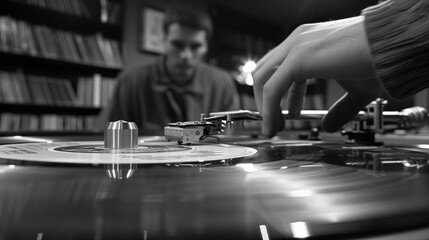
214, 119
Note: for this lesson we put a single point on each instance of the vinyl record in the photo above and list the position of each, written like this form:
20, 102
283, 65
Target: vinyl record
262, 189
94, 152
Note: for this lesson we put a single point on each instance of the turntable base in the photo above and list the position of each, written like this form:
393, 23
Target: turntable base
272, 189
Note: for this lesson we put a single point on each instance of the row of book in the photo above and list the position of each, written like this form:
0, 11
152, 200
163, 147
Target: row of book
17, 36
12, 122
72, 7
111, 11
94, 91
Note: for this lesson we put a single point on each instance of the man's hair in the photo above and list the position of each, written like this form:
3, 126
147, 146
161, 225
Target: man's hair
189, 17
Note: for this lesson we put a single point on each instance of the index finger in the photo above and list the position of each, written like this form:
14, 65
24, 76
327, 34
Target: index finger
268, 65
273, 92
263, 71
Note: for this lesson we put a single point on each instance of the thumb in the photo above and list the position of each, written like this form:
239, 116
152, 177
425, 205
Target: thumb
344, 110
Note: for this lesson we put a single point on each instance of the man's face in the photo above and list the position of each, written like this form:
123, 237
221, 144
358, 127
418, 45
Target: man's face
184, 49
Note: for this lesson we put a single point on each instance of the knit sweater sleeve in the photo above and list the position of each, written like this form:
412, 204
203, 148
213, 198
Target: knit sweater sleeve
398, 35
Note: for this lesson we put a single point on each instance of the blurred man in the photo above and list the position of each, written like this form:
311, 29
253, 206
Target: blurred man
177, 87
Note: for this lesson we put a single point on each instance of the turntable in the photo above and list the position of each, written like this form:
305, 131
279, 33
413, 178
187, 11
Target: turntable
232, 185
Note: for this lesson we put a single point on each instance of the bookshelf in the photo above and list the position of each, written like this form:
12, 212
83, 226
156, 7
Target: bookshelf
58, 63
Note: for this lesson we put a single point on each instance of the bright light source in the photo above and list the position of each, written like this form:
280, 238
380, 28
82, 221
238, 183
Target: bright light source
299, 229
249, 79
249, 66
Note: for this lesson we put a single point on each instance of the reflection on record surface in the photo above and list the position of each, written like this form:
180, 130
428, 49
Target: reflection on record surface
282, 190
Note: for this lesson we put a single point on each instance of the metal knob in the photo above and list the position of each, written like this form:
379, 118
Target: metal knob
414, 117
121, 134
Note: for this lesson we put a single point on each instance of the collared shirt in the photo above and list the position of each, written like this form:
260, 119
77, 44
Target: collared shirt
147, 96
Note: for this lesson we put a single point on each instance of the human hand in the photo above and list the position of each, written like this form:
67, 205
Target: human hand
330, 50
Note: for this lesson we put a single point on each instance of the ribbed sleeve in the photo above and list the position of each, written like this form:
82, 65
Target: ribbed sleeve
398, 34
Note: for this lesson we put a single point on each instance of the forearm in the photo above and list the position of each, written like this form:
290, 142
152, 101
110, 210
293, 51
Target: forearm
398, 34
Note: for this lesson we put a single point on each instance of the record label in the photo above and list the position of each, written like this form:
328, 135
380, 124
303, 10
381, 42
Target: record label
93, 152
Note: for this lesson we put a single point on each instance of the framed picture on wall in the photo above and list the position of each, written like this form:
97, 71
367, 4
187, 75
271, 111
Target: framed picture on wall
151, 32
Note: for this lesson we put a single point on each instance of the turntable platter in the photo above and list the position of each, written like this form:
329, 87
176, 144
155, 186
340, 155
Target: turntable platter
282, 190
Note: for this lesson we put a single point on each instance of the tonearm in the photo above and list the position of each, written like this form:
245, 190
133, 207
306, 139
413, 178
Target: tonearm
363, 128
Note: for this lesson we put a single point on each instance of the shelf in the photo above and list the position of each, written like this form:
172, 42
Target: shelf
57, 135
44, 16
43, 45
45, 109
55, 65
